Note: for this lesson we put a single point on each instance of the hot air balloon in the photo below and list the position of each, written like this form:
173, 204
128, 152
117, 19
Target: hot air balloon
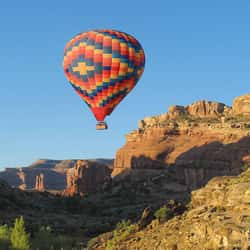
103, 66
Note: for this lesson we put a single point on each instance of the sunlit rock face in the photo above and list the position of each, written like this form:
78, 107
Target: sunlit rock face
40, 186
86, 177
194, 143
241, 105
205, 109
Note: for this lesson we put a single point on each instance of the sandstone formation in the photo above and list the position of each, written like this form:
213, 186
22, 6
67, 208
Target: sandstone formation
195, 143
54, 172
205, 109
176, 111
198, 109
22, 179
241, 105
39, 186
86, 177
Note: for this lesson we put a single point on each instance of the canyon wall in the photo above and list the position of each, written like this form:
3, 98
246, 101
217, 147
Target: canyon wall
193, 143
54, 174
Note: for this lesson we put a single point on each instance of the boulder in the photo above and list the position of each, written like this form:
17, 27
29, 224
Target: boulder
241, 105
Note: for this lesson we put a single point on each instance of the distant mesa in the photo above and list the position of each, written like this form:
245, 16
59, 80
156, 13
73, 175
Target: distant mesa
44, 174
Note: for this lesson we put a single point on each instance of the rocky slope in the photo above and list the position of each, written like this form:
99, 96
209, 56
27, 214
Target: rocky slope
53, 172
195, 143
82, 217
218, 218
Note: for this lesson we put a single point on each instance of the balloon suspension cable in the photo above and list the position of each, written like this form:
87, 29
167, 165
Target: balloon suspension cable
101, 126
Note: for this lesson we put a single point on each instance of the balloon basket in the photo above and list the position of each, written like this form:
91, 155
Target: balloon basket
101, 126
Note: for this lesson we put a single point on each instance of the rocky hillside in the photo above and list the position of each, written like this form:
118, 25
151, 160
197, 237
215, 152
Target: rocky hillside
83, 217
195, 143
43, 174
218, 218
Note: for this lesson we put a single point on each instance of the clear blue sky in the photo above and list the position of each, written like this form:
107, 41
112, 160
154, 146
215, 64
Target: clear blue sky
194, 50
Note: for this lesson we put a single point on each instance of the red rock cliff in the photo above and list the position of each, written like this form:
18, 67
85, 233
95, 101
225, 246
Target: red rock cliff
196, 142
86, 176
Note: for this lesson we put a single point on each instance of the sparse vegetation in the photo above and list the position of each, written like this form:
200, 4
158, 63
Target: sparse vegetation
245, 167
17, 238
20, 239
163, 214
122, 232
238, 118
4, 237
43, 238
244, 177
195, 119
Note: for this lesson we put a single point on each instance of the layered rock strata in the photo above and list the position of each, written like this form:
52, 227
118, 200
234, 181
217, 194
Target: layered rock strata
195, 143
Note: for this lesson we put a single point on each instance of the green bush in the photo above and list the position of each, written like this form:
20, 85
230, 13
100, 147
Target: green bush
61, 242
20, 240
4, 232
17, 238
163, 214
245, 167
121, 233
123, 225
4, 237
44, 239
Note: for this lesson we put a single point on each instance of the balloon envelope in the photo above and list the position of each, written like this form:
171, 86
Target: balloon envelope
103, 66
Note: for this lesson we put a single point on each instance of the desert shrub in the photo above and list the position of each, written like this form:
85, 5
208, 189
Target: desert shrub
20, 240
163, 214
44, 239
62, 242
4, 237
245, 167
72, 203
238, 118
121, 233
123, 225
4, 232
